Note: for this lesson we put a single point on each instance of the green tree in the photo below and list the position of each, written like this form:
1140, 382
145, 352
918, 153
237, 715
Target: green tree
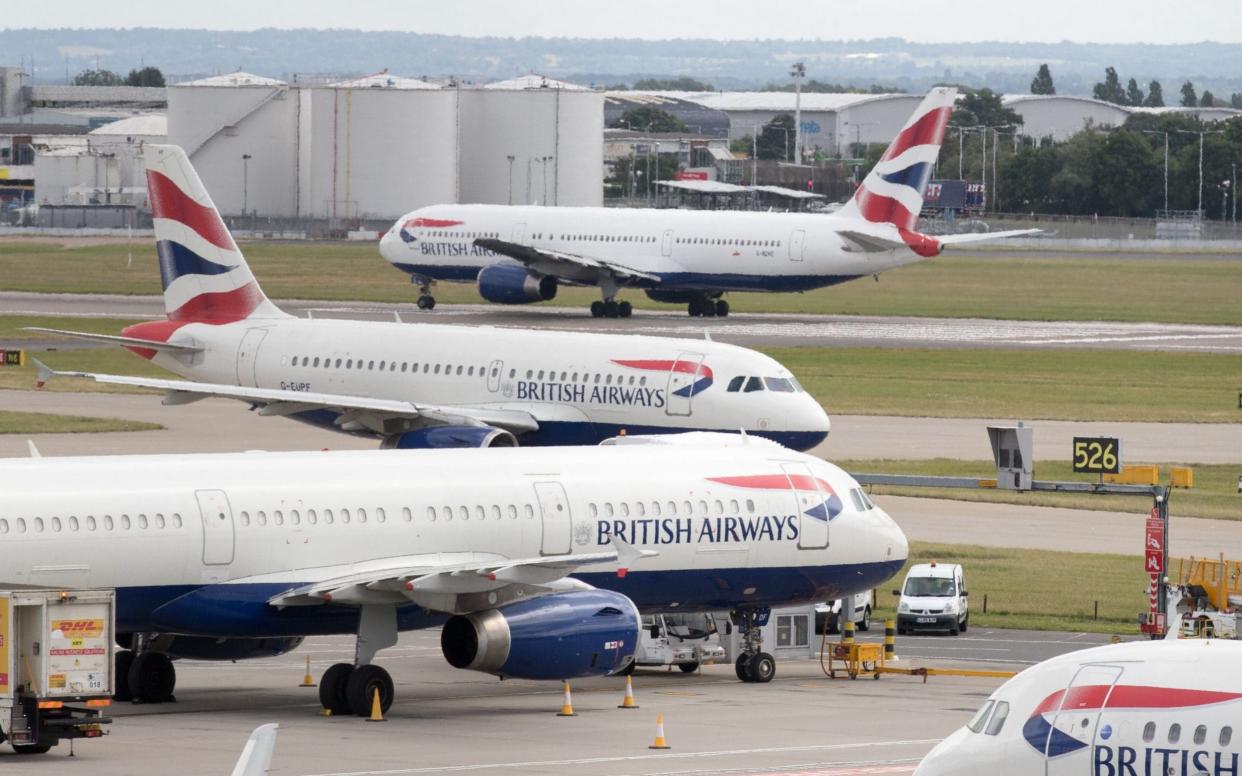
1125, 175
1189, 98
1134, 95
1155, 95
147, 76
97, 78
650, 119
983, 107
630, 174
776, 138
680, 84
1207, 100
1042, 83
1110, 90
1235, 100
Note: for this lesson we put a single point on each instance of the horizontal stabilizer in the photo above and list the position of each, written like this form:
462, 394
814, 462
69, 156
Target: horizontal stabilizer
112, 339
958, 239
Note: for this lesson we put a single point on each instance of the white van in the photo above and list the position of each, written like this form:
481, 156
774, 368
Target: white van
933, 597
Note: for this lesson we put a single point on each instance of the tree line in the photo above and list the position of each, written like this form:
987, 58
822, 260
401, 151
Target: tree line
146, 76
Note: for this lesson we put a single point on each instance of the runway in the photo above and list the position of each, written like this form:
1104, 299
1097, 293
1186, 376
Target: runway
749, 329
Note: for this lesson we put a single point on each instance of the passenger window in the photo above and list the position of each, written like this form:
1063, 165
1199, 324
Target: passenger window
1200, 734
594, 510
278, 517
733, 506
640, 509
125, 523
446, 512
977, 722
142, 522
608, 509
655, 508
90, 522
1226, 733
176, 521
295, 517
754, 384
495, 511
345, 516
735, 384
997, 722
480, 513
381, 366
624, 507
703, 508
348, 364
529, 510
1149, 732
362, 515
21, 524
56, 524
672, 509
1175, 733
73, 523
431, 514
512, 512
4, 526
463, 512
370, 364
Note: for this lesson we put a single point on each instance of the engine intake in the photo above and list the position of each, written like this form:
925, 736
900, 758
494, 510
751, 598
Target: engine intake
442, 437
509, 284
560, 636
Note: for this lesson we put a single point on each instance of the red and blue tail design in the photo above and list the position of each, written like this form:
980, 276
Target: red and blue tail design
892, 193
701, 372
830, 507
205, 276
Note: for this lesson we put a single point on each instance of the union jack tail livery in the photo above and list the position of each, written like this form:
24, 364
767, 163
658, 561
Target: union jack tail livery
893, 191
205, 276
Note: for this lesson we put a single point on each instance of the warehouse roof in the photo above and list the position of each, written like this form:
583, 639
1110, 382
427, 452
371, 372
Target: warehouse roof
533, 81
239, 78
384, 80
148, 124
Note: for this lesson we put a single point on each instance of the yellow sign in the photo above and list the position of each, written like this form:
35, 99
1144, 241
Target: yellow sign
4, 173
4, 645
12, 357
79, 629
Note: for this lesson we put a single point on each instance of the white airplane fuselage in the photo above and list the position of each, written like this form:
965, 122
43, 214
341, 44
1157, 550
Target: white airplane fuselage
1163, 708
580, 387
198, 544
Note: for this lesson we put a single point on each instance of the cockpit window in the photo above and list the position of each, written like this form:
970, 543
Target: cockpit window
856, 497
930, 586
779, 384
866, 499
735, 384
976, 723
998, 719
754, 384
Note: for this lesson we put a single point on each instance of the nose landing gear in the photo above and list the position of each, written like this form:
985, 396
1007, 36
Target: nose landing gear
753, 665
425, 300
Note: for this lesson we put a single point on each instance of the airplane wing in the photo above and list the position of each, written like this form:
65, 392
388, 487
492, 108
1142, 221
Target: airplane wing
112, 339
571, 266
455, 586
381, 416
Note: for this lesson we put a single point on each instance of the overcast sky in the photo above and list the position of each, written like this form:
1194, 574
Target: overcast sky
1097, 21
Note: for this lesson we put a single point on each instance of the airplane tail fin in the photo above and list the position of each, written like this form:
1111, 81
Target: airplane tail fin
205, 276
893, 191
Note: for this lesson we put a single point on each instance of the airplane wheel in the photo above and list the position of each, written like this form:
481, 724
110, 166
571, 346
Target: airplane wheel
689, 668
332, 688
597, 309
360, 689
426, 302
742, 668
722, 308
152, 678
965, 623
762, 668
708, 307
694, 308
625, 309
865, 623
611, 309
124, 659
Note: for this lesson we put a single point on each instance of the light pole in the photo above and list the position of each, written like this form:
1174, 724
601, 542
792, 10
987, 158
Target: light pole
245, 183
798, 71
510, 157
543, 161
655, 173
527, 202
1224, 200
1201, 133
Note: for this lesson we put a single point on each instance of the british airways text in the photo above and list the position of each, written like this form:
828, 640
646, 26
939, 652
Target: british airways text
577, 393
703, 530
1159, 761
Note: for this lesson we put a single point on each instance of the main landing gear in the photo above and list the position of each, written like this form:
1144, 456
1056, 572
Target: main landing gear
425, 300
347, 688
144, 675
706, 307
611, 308
753, 665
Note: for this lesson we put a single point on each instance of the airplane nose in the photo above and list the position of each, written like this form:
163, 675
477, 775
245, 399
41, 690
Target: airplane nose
942, 759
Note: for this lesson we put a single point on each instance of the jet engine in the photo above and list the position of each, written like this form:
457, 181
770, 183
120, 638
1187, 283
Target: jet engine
559, 636
209, 648
438, 437
507, 284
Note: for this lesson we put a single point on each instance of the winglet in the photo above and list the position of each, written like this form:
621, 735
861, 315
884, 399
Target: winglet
45, 372
256, 757
627, 554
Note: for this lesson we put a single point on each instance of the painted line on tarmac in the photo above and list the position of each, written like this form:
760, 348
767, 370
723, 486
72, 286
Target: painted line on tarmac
632, 758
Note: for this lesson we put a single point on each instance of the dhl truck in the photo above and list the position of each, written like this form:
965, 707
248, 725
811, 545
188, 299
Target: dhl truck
56, 666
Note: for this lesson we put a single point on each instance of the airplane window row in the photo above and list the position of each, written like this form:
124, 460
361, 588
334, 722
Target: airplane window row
572, 377
393, 366
751, 384
630, 238
990, 719
729, 241
360, 516
466, 235
666, 509
1199, 736
74, 524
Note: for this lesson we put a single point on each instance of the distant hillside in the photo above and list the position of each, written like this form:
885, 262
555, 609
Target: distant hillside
725, 64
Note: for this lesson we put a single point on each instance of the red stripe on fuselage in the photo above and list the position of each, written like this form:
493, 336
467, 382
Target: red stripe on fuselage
1132, 697
775, 482
170, 202
433, 223
658, 365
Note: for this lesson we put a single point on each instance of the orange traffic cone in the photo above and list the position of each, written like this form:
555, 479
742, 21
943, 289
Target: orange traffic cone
660, 743
628, 701
377, 713
567, 706
307, 680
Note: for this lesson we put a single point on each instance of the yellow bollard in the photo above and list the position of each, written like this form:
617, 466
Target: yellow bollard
847, 632
377, 713
567, 705
628, 701
660, 743
890, 640
307, 680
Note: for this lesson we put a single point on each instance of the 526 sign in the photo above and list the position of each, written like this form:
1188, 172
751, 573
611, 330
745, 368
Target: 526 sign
1097, 455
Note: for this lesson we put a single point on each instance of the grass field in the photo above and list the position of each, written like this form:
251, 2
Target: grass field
1037, 589
1214, 495
1167, 289
1030, 384
46, 423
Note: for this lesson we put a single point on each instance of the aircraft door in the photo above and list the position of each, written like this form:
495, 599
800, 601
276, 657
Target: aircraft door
217, 516
812, 505
1076, 719
557, 520
493, 375
247, 357
684, 380
519, 233
666, 247
797, 238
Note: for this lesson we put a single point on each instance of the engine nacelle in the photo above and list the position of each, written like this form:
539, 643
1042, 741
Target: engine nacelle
208, 648
559, 636
507, 284
440, 437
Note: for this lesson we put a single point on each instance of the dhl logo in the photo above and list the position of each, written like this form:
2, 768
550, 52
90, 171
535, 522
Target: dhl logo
79, 628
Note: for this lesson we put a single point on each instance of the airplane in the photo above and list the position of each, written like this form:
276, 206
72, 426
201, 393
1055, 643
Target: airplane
536, 562
521, 254
421, 385
1134, 709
